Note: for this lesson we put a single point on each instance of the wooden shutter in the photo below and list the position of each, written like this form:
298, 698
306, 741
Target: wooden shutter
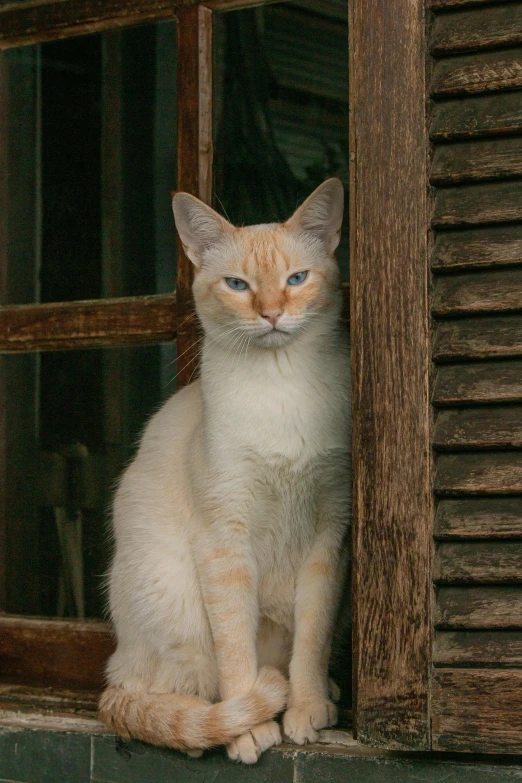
477, 353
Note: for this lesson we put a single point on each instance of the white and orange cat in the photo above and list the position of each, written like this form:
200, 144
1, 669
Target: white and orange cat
231, 522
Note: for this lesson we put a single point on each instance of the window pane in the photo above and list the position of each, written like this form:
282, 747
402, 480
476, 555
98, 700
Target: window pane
280, 108
71, 420
90, 159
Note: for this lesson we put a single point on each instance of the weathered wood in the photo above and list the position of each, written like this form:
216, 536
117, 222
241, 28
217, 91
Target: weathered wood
477, 160
471, 474
477, 248
54, 652
392, 498
441, 5
487, 427
496, 202
478, 338
477, 710
194, 153
480, 292
89, 323
484, 72
479, 562
498, 649
483, 115
478, 383
477, 607
479, 518
487, 28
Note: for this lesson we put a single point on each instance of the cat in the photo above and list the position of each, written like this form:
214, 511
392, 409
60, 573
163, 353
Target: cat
231, 524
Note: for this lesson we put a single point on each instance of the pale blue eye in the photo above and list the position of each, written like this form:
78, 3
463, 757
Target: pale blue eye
236, 284
297, 279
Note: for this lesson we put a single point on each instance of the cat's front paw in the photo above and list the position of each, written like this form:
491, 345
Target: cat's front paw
250, 745
301, 724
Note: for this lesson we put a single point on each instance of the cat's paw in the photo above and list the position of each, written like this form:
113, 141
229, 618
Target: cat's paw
301, 724
250, 745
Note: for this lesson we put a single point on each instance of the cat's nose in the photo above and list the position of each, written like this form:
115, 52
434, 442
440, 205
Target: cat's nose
272, 316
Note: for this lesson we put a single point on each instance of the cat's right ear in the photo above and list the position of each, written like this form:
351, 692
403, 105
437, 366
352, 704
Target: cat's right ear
199, 227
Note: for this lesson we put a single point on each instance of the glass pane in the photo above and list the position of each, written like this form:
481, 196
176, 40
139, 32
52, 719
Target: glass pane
280, 108
90, 160
72, 422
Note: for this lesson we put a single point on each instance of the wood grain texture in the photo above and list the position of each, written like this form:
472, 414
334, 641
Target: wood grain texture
477, 160
477, 248
477, 710
498, 649
479, 518
480, 292
487, 427
442, 5
478, 607
478, 562
478, 383
392, 499
478, 338
70, 654
89, 323
496, 202
484, 72
497, 473
490, 27
483, 115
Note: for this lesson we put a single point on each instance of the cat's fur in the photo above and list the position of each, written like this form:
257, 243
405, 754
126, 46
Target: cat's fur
231, 523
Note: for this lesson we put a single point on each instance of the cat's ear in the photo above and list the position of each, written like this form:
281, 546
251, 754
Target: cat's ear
199, 227
322, 214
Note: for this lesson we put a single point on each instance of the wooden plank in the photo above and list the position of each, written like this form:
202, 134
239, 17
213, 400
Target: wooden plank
483, 115
489, 27
478, 338
479, 518
499, 649
487, 427
90, 323
496, 202
477, 607
477, 248
194, 154
497, 473
477, 160
478, 562
442, 5
471, 73
389, 317
483, 382
54, 652
477, 710
480, 292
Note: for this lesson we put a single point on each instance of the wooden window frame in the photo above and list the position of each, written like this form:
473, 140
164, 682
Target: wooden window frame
390, 349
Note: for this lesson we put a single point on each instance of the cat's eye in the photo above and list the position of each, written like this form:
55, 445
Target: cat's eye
236, 284
298, 278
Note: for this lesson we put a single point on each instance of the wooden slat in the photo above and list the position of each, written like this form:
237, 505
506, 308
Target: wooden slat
482, 72
442, 5
496, 202
495, 26
477, 160
479, 562
54, 652
480, 292
470, 607
483, 115
479, 518
89, 323
487, 427
478, 338
392, 497
478, 383
499, 649
477, 710
477, 248
471, 474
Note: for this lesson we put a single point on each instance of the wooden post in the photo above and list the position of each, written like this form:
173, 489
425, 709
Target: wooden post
194, 157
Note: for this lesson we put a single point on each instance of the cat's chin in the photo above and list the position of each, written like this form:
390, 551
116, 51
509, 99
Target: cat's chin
274, 339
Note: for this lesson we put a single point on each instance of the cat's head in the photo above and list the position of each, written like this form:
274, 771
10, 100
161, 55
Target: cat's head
271, 281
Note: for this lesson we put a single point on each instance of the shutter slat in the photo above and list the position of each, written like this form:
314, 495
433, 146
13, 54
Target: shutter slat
477, 160
493, 473
477, 648
492, 27
483, 292
484, 115
479, 517
492, 427
478, 338
477, 248
469, 607
442, 5
477, 73
498, 202
479, 562
478, 383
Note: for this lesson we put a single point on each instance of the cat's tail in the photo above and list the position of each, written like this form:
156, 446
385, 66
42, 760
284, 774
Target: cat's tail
190, 723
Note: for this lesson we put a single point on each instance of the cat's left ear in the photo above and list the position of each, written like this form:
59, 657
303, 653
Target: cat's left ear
322, 214
199, 227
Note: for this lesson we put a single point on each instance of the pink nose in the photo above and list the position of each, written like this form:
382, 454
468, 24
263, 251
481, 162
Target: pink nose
272, 316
